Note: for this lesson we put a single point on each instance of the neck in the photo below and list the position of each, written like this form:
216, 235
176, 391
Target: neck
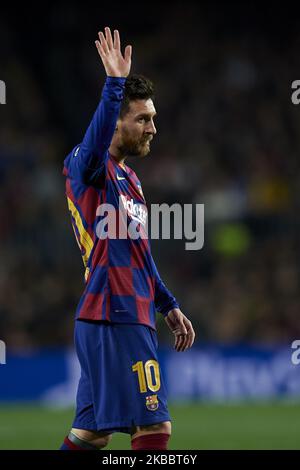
116, 155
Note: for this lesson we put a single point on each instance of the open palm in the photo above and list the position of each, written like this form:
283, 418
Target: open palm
109, 50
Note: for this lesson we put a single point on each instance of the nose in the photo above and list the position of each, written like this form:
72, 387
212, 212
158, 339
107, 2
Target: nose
151, 127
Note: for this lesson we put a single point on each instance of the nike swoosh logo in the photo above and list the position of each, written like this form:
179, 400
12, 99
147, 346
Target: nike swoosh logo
120, 178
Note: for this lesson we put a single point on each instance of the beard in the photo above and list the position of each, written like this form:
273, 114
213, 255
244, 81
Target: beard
131, 147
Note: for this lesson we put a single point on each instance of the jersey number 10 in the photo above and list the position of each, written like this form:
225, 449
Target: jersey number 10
145, 376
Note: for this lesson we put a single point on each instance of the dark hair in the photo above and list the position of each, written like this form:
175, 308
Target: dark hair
137, 87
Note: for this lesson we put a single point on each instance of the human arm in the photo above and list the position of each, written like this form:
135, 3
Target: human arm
177, 322
163, 299
90, 156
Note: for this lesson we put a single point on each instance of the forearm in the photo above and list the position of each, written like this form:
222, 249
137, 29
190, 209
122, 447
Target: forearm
88, 159
86, 162
164, 299
100, 132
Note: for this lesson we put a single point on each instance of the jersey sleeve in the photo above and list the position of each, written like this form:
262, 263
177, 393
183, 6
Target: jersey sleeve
87, 160
163, 299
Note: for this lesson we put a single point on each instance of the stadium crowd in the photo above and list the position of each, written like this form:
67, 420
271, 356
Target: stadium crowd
228, 137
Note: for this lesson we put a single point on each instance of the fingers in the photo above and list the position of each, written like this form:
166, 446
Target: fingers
109, 38
116, 40
107, 42
100, 49
189, 342
180, 333
103, 42
179, 341
182, 329
182, 343
185, 341
190, 333
128, 51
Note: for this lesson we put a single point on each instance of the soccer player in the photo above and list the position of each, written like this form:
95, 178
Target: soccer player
120, 388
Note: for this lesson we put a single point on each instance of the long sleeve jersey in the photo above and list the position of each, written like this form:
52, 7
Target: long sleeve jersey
122, 283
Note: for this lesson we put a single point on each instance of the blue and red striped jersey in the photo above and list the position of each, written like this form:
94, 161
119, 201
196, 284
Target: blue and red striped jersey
122, 283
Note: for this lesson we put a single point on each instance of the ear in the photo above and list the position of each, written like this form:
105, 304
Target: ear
117, 125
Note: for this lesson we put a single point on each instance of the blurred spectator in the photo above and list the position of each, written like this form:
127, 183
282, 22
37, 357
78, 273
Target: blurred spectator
228, 136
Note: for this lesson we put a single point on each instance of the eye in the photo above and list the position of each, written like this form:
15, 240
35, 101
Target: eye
141, 119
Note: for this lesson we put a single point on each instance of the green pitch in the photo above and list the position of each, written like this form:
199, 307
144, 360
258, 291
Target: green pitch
195, 426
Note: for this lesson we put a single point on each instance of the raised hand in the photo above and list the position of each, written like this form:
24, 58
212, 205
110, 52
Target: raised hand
182, 329
109, 50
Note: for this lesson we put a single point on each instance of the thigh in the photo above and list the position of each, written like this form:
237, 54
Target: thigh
84, 416
164, 427
145, 388
121, 366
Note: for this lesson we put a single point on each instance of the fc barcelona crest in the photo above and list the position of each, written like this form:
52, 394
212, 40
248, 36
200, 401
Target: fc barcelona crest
152, 402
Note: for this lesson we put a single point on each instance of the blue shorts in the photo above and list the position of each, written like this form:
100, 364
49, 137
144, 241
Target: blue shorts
120, 385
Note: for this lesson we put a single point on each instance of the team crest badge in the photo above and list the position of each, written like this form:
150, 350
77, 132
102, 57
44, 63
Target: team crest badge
152, 402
